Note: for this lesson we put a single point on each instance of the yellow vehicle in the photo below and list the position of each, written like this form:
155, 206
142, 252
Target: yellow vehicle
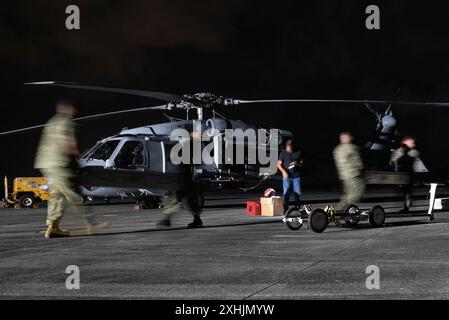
26, 193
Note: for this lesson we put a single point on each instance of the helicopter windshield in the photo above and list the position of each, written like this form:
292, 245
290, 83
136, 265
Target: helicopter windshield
101, 151
130, 155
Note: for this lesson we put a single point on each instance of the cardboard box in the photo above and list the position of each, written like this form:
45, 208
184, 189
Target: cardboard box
253, 208
272, 207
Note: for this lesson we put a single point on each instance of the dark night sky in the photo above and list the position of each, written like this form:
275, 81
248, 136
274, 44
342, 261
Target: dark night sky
235, 48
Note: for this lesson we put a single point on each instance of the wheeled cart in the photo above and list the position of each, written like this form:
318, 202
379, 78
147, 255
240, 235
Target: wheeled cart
318, 219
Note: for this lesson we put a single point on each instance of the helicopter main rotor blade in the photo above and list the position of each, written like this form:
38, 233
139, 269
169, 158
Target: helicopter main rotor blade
168, 97
342, 101
86, 118
113, 113
7, 133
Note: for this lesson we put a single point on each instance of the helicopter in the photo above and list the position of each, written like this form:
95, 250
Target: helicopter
136, 162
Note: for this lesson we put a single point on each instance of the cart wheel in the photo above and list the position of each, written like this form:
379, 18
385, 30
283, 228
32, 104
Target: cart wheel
27, 201
352, 220
377, 216
318, 220
294, 214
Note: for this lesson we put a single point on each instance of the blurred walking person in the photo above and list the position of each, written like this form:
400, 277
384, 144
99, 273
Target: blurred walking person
56, 159
404, 159
185, 194
350, 171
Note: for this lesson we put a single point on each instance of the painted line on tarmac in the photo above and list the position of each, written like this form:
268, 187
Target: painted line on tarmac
312, 265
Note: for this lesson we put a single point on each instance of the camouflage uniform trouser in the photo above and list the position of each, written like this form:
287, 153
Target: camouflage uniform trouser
173, 201
353, 190
63, 195
407, 190
170, 203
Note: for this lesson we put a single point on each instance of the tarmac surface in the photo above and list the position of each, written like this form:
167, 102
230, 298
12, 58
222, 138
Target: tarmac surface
233, 257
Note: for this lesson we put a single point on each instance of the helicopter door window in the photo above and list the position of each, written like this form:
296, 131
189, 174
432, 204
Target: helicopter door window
131, 155
104, 151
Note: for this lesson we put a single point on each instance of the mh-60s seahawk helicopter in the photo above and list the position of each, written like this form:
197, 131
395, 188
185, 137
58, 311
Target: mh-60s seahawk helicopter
136, 162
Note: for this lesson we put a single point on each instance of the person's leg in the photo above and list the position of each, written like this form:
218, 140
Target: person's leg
75, 203
170, 204
190, 203
344, 199
407, 197
361, 187
73, 199
297, 191
57, 205
286, 188
54, 206
351, 194
356, 189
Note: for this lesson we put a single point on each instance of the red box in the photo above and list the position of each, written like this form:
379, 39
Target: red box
253, 208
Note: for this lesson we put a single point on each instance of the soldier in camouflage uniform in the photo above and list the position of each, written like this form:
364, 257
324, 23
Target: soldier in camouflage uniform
55, 159
350, 171
184, 195
403, 160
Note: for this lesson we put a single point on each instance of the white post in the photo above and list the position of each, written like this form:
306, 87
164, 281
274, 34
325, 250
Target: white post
6, 187
200, 113
432, 192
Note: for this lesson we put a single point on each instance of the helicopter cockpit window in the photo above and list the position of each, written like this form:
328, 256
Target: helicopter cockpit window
103, 151
130, 155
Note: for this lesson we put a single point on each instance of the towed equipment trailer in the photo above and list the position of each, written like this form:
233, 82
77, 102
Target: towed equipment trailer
318, 219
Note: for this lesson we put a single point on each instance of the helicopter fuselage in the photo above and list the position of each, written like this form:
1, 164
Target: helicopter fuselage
137, 163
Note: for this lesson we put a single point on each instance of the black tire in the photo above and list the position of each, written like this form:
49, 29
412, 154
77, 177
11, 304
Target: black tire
27, 201
318, 220
377, 216
293, 213
352, 221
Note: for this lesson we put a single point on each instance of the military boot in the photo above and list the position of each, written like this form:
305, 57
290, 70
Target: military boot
197, 223
53, 231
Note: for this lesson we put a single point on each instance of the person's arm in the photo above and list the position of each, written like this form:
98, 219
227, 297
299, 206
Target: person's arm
298, 162
338, 161
395, 156
358, 162
282, 169
413, 153
67, 139
71, 148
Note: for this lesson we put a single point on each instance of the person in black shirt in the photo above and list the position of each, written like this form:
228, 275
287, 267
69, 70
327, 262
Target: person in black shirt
289, 165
